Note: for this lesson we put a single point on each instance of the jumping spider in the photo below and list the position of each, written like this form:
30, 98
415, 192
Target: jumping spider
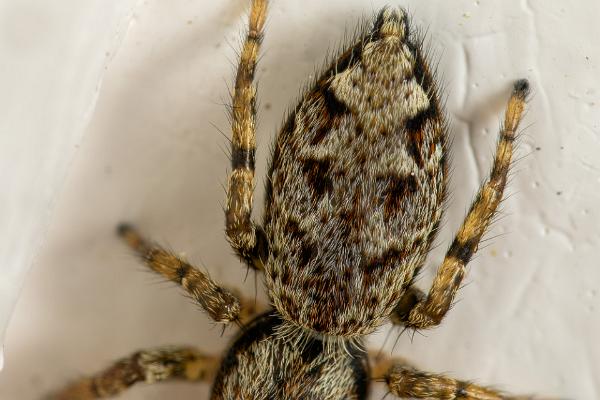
354, 198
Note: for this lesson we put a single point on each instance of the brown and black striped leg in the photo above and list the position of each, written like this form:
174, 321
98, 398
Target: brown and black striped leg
430, 310
406, 381
248, 239
148, 366
220, 304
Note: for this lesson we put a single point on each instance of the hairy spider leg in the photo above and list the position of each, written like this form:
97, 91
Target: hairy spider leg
428, 311
150, 366
246, 238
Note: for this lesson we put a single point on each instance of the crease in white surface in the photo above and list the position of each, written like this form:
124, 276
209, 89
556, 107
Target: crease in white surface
539, 86
468, 122
38, 149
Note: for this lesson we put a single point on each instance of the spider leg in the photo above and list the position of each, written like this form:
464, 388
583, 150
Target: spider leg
428, 311
220, 304
412, 296
246, 238
405, 381
148, 366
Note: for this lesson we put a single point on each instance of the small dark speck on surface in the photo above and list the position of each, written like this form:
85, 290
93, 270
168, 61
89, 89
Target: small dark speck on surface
538, 148
267, 106
562, 147
558, 193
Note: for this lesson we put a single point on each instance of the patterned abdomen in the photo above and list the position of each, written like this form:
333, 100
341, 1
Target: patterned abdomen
263, 365
356, 185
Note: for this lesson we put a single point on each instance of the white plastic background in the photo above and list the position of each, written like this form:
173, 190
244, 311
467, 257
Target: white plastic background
51, 70
528, 319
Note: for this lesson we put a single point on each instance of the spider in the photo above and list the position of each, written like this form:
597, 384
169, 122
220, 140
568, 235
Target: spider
354, 197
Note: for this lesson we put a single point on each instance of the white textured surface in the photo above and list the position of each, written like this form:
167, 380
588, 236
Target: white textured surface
528, 319
53, 58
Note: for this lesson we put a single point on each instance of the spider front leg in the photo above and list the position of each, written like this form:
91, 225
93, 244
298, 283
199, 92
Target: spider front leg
220, 304
148, 366
247, 239
421, 312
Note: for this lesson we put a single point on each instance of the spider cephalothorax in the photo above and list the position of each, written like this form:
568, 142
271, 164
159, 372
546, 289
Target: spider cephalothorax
355, 194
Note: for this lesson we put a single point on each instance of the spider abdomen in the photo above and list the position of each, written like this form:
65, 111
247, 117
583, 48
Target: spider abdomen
356, 185
263, 364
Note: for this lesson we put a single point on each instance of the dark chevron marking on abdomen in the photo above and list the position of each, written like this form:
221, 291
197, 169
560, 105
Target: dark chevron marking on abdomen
318, 176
